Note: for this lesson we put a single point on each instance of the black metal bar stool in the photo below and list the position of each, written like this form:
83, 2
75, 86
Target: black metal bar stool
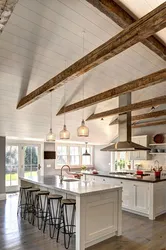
67, 225
39, 208
29, 206
22, 200
52, 217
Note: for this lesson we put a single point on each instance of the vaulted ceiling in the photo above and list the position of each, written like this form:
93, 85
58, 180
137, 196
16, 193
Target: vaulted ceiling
39, 36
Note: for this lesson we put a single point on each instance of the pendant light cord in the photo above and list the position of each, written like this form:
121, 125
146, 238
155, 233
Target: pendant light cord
83, 88
51, 111
64, 99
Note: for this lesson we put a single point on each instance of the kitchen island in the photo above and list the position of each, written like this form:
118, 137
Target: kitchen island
98, 207
144, 195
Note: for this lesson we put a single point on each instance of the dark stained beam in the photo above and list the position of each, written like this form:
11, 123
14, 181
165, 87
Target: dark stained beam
131, 107
148, 124
154, 114
134, 33
6, 9
122, 18
131, 86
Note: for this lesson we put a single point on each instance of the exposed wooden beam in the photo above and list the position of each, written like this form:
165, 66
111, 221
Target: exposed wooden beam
130, 107
143, 116
121, 17
154, 114
137, 84
6, 9
148, 124
134, 33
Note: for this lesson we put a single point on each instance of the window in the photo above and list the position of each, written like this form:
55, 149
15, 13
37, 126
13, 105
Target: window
61, 155
11, 165
121, 161
72, 155
30, 160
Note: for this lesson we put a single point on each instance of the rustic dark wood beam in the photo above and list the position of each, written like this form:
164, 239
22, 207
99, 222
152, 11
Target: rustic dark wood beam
131, 86
134, 33
131, 107
154, 114
148, 124
6, 9
123, 18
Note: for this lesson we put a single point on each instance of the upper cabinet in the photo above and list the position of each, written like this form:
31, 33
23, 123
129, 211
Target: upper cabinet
140, 155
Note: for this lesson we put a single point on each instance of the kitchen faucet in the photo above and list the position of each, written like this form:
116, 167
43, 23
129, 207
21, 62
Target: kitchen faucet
61, 177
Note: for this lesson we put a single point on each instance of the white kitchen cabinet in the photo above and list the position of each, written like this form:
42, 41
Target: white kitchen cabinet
144, 198
140, 155
141, 197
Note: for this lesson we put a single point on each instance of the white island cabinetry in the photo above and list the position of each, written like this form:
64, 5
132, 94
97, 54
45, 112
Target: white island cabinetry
98, 207
144, 198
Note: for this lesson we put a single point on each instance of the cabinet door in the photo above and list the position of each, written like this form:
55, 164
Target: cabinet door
127, 195
141, 197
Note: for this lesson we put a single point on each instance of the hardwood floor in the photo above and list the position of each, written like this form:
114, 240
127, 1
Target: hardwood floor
139, 233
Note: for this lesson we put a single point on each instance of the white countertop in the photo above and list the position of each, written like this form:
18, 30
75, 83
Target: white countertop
75, 188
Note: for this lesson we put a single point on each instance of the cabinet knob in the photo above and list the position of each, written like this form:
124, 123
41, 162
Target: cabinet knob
121, 182
103, 179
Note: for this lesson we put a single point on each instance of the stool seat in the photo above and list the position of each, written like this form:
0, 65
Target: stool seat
34, 190
55, 196
42, 193
68, 202
27, 187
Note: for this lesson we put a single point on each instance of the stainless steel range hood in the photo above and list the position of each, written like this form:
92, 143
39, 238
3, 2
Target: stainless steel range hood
125, 143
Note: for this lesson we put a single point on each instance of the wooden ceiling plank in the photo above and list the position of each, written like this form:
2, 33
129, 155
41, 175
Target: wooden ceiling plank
136, 32
122, 18
131, 107
148, 124
6, 9
131, 86
153, 114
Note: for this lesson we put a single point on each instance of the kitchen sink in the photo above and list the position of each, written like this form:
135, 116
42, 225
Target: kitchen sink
70, 180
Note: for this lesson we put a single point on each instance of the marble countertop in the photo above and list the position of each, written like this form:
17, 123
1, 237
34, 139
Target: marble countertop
75, 188
149, 178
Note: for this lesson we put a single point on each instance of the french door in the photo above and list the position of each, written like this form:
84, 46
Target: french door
12, 165
31, 160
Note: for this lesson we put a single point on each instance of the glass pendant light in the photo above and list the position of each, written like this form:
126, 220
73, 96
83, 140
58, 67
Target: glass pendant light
64, 133
83, 131
50, 136
86, 150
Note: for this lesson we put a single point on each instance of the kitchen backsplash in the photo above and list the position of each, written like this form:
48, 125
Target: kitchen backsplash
150, 163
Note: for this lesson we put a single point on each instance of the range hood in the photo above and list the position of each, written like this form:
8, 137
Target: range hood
125, 143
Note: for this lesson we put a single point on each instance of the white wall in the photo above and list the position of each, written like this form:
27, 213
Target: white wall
2, 164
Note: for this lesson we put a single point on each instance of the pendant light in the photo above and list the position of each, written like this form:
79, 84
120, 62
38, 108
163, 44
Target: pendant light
86, 150
83, 131
50, 136
64, 133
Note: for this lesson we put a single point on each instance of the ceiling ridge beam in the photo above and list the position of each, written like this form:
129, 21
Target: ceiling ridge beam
134, 33
148, 124
140, 83
6, 9
121, 17
131, 107
153, 114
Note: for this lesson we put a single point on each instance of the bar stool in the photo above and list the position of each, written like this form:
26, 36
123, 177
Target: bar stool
52, 217
39, 208
22, 200
29, 207
65, 224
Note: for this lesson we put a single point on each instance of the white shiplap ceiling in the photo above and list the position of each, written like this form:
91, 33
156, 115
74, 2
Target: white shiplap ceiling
37, 40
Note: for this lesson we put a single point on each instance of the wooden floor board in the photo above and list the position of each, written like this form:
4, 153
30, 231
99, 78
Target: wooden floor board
139, 233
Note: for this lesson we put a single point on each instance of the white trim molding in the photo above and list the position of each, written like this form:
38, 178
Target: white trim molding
2, 197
